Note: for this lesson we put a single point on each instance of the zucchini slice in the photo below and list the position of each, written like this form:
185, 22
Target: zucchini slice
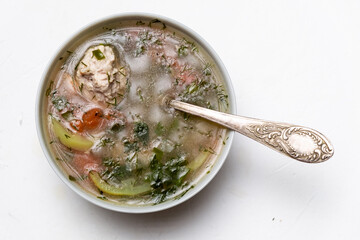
198, 161
127, 186
71, 140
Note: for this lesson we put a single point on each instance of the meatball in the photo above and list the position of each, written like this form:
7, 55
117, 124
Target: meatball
100, 77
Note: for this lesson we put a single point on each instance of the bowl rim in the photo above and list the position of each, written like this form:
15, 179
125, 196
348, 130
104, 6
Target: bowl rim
41, 132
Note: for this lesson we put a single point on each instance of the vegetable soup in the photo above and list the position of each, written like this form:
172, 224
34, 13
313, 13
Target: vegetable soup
109, 126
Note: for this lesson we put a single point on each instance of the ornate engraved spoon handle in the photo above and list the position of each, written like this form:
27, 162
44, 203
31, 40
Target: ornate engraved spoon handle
301, 143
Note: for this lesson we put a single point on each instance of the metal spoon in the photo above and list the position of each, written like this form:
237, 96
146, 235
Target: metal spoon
300, 143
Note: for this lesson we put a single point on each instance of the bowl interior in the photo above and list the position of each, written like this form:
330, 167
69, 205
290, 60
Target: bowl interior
96, 28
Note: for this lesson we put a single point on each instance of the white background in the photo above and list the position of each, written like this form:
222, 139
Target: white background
292, 61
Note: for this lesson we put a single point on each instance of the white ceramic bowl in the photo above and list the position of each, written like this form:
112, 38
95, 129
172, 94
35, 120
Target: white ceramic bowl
50, 71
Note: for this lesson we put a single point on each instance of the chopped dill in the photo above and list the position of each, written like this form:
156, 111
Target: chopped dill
98, 54
120, 71
108, 77
207, 69
48, 90
114, 103
139, 93
209, 150
182, 51
157, 21
71, 178
158, 42
102, 197
140, 50
139, 23
106, 141
77, 65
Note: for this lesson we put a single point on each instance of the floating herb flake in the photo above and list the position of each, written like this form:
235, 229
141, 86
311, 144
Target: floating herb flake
48, 90
139, 23
71, 178
182, 51
98, 54
157, 21
159, 129
59, 103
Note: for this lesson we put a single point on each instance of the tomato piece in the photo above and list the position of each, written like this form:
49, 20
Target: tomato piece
93, 118
188, 77
182, 73
84, 163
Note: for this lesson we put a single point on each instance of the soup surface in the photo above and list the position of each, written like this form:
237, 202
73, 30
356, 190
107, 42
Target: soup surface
109, 126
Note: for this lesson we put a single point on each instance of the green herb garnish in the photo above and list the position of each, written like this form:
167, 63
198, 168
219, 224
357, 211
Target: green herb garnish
184, 192
158, 154
139, 93
114, 170
191, 45
77, 65
157, 21
182, 51
158, 42
102, 197
71, 178
192, 88
98, 54
48, 90
186, 116
106, 141
140, 50
159, 129
209, 150
222, 96
108, 77
114, 103
139, 23
59, 103
167, 178
81, 87
130, 146
141, 132
207, 69
67, 115
117, 127
120, 71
